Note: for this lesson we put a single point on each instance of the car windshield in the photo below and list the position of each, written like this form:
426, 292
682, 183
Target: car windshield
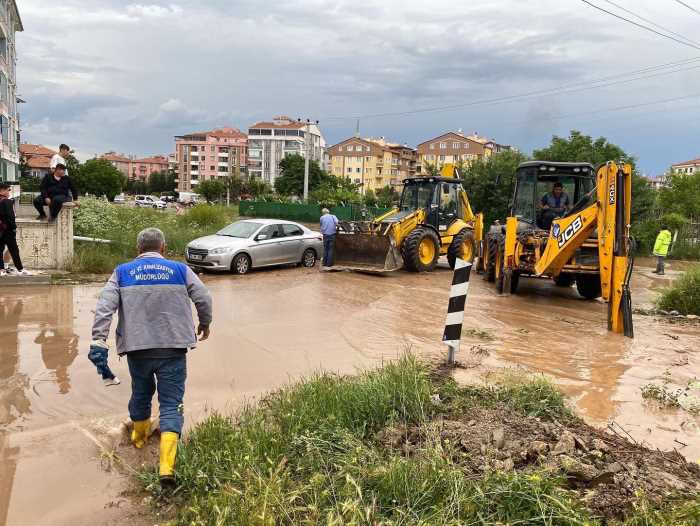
242, 229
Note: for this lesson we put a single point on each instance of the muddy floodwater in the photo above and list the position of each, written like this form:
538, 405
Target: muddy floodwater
274, 326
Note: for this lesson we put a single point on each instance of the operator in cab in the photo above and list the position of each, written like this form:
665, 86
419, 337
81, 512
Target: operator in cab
554, 204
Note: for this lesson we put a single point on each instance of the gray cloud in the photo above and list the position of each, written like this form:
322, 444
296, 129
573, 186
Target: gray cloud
129, 75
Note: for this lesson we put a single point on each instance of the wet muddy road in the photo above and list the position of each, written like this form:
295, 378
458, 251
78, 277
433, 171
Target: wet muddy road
273, 326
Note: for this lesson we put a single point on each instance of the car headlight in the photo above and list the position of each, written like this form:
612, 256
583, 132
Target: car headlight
220, 250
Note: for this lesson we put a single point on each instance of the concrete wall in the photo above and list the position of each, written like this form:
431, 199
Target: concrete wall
44, 245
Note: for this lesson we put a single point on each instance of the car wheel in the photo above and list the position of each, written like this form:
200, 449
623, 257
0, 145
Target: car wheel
240, 264
308, 259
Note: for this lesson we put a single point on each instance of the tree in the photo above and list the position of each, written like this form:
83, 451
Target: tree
258, 188
387, 196
98, 177
431, 170
211, 189
489, 183
370, 198
160, 182
234, 186
136, 186
291, 179
29, 184
582, 148
682, 195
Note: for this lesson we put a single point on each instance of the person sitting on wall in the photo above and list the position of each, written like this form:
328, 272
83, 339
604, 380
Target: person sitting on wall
56, 188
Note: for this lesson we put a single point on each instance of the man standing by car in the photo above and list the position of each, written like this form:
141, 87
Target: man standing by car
56, 188
155, 332
329, 229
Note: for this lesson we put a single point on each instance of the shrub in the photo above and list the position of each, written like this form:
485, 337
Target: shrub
683, 295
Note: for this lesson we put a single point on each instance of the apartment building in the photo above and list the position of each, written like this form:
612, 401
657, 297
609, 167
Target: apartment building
208, 155
36, 159
10, 23
173, 164
270, 142
372, 163
454, 147
686, 168
141, 169
119, 161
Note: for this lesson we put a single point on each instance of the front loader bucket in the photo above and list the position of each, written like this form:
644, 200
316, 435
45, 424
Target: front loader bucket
366, 253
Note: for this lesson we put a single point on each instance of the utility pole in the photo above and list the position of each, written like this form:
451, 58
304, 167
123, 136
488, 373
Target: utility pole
308, 146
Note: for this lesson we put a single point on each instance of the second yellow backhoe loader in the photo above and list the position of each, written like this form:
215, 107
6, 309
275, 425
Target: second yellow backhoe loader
569, 222
433, 218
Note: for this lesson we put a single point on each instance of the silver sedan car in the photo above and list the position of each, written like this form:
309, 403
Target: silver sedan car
254, 243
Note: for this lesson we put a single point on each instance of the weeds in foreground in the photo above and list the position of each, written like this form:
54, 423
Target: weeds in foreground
683, 295
308, 454
672, 397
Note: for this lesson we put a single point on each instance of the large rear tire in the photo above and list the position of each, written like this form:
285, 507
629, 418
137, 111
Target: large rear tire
492, 243
588, 286
421, 250
462, 247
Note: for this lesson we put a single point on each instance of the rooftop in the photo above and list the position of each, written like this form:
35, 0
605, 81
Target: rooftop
154, 159
39, 161
282, 122
115, 157
692, 162
228, 132
35, 149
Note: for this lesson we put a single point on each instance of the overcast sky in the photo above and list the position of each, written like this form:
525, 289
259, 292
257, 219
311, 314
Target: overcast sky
128, 76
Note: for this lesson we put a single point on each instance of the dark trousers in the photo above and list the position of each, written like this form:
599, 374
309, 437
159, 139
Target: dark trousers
660, 264
9, 240
328, 244
167, 375
54, 207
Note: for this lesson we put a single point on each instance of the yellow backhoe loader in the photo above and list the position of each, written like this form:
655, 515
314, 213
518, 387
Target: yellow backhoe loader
569, 222
433, 218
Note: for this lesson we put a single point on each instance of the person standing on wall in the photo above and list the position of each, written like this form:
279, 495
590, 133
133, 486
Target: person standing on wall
329, 229
56, 188
8, 232
661, 246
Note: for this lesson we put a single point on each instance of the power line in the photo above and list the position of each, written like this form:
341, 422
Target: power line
566, 88
647, 28
688, 6
624, 9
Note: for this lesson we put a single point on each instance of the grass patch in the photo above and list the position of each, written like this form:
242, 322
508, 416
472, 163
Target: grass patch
121, 224
311, 454
479, 333
683, 295
668, 396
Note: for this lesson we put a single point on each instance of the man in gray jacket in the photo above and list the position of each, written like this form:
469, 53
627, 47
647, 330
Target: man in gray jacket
155, 331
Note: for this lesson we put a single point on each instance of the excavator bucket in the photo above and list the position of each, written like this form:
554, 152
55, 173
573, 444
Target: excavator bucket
371, 253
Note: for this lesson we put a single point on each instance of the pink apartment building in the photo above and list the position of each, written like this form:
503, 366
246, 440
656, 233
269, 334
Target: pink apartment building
137, 169
207, 155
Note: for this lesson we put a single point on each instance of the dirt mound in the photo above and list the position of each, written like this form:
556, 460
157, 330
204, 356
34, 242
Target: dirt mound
605, 469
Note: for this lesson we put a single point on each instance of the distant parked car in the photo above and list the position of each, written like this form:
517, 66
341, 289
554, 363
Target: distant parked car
254, 243
150, 201
119, 199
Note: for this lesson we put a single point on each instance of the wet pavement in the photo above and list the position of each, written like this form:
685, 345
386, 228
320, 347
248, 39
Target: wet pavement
274, 326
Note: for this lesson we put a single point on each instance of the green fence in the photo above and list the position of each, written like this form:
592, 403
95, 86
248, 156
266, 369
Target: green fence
307, 213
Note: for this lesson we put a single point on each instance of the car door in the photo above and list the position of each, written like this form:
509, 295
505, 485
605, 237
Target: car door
292, 243
267, 251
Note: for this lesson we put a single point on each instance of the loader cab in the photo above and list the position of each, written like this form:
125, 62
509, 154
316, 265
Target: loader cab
535, 179
439, 196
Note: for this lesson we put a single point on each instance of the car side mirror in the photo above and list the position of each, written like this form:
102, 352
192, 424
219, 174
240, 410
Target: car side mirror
261, 237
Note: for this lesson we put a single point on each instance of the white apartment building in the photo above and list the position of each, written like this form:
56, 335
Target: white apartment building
10, 23
270, 142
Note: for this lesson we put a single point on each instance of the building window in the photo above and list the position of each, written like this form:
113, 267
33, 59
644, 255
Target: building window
443, 145
432, 146
466, 145
442, 158
357, 170
455, 145
340, 148
212, 168
349, 170
366, 148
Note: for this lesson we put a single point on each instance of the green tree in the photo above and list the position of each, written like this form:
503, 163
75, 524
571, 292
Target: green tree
370, 198
29, 184
160, 182
583, 148
98, 177
136, 186
682, 195
258, 188
234, 185
431, 170
291, 179
489, 183
387, 196
211, 189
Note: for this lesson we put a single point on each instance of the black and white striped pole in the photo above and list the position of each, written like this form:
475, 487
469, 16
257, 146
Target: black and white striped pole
455, 309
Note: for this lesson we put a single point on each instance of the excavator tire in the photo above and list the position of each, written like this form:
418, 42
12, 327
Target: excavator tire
588, 286
564, 279
461, 241
492, 251
421, 250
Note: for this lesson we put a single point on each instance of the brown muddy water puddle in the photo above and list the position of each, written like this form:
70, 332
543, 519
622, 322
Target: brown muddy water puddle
274, 326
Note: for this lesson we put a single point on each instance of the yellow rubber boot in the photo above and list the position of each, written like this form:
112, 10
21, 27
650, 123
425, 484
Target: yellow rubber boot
168, 451
141, 432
